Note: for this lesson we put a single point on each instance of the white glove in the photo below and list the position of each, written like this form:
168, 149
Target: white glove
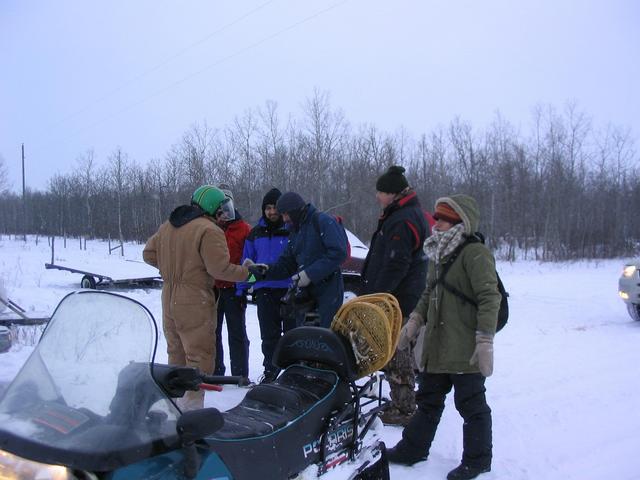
410, 330
302, 278
483, 354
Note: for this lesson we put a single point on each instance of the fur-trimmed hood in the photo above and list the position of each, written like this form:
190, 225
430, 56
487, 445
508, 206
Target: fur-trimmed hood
467, 208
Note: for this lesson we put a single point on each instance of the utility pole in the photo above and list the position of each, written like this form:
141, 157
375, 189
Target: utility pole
24, 202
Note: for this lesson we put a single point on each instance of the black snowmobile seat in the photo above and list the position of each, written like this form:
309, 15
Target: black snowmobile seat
279, 397
269, 407
316, 345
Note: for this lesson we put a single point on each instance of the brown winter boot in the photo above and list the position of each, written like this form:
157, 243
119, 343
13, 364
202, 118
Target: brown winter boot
393, 416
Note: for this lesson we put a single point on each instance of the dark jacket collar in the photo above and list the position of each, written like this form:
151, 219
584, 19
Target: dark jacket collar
411, 198
184, 214
264, 223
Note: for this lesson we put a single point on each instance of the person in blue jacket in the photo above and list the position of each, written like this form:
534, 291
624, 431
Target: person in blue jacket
265, 243
316, 249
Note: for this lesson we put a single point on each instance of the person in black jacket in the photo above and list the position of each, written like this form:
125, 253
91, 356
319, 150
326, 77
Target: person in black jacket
396, 264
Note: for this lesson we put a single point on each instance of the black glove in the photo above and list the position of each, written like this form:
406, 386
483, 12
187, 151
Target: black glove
258, 271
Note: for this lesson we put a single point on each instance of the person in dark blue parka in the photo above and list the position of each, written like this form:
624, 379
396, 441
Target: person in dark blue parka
317, 247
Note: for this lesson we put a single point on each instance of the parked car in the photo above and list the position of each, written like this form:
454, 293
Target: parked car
352, 266
629, 288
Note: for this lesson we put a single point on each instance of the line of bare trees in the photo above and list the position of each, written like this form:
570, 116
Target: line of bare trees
562, 190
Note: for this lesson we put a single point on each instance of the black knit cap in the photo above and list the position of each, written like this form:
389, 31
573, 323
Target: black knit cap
270, 198
392, 181
290, 202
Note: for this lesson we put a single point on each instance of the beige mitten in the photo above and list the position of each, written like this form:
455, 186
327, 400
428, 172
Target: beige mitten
409, 332
483, 354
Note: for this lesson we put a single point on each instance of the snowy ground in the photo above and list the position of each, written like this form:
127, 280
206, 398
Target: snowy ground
565, 387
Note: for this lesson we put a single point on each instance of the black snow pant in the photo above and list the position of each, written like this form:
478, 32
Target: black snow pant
470, 401
272, 325
233, 308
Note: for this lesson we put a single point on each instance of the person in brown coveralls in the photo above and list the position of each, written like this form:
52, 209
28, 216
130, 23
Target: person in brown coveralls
190, 251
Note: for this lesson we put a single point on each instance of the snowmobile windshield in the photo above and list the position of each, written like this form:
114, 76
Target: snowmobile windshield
86, 397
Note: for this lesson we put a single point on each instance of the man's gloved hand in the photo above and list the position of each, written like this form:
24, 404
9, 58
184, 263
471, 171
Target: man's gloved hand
302, 278
483, 354
247, 262
409, 331
257, 271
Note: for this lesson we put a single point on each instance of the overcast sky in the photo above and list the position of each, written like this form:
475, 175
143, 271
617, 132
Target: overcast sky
76, 75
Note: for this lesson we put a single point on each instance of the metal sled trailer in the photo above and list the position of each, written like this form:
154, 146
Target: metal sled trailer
97, 280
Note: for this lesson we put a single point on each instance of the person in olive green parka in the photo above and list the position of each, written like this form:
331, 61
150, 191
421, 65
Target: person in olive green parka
452, 324
457, 342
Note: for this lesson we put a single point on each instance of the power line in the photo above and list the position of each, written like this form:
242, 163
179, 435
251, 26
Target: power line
159, 65
208, 67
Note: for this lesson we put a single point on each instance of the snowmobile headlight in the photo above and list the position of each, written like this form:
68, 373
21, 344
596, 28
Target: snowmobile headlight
13, 467
629, 270
623, 295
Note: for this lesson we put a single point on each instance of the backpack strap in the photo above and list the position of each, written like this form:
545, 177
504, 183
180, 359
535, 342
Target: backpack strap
458, 293
475, 238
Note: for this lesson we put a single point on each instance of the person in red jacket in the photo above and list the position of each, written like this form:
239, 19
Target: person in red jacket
232, 306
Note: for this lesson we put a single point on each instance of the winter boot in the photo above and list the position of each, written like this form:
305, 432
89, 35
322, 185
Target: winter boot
268, 376
403, 454
465, 472
393, 416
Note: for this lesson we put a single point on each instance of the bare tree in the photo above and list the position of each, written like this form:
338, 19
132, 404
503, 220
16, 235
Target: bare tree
59, 188
325, 129
194, 151
4, 176
271, 147
242, 136
561, 190
86, 173
118, 172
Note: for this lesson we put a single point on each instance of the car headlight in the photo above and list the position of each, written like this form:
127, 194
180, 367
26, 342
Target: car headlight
13, 467
629, 270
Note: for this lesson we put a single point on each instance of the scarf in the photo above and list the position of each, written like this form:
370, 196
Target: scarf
441, 244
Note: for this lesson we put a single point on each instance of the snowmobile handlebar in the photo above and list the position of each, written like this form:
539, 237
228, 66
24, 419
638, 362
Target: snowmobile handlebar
221, 379
175, 381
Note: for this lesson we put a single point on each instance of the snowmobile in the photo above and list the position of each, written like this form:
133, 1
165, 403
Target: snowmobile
90, 402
